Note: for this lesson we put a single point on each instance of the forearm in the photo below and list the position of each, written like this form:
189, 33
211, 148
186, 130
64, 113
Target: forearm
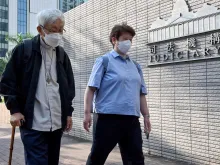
10, 94
71, 84
70, 98
143, 106
9, 83
88, 99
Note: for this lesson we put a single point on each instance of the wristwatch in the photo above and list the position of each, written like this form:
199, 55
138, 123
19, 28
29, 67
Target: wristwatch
148, 116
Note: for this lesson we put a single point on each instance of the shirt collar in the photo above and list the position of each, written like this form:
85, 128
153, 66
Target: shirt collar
115, 54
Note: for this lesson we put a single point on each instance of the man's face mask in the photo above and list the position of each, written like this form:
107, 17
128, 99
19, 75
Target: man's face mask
124, 46
52, 39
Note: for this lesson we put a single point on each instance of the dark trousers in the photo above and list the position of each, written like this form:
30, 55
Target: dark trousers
41, 148
113, 129
122, 145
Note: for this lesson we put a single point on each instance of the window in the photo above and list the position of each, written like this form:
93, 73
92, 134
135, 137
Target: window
3, 52
3, 26
70, 4
2, 39
3, 14
22, 16
81, 2
4, 3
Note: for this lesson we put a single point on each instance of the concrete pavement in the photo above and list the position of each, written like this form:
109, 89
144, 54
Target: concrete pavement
73, 151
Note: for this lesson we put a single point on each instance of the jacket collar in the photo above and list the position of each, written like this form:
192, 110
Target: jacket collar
36, 43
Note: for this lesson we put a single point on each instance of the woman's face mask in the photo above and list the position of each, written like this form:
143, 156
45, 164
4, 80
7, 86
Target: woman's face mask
52, 39
124, 46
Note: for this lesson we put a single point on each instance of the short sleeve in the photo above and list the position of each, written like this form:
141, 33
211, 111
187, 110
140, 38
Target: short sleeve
97, 73
143, 90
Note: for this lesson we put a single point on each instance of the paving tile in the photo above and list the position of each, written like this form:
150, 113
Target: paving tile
74, 151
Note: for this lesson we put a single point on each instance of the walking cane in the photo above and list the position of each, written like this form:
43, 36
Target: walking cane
12, 144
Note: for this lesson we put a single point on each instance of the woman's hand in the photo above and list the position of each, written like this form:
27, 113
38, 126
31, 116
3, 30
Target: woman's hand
147, 124
87, 121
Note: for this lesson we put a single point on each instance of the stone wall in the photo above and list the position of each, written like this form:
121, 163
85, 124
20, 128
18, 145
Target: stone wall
183, 97
4, 114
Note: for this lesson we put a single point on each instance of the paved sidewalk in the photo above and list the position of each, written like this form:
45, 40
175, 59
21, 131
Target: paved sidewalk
73, 151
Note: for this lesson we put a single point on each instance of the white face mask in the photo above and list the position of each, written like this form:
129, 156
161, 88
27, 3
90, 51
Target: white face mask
124, 46
53, 39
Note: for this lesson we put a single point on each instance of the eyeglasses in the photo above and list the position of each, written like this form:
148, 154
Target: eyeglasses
61, 31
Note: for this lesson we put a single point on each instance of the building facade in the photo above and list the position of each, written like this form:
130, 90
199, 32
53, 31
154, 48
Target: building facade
177, 45
22, 15
3, 27
66, 5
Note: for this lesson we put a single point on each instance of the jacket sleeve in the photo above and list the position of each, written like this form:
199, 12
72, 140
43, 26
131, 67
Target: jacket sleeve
71, 84
9, 81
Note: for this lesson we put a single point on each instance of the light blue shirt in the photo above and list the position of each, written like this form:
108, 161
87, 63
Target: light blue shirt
119, 88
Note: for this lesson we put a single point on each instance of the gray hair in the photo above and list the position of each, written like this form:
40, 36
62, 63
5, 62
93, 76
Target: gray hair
49, 16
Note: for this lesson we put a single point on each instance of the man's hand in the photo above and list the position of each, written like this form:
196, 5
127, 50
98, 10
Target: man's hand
87, 121
147, 124
69, 124
17, 119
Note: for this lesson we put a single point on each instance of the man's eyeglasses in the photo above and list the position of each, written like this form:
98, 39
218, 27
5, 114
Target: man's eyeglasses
61, 31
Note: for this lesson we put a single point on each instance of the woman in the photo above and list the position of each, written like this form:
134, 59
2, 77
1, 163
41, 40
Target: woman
118, 86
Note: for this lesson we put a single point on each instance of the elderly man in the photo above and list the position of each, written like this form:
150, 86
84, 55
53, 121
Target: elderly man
44, 82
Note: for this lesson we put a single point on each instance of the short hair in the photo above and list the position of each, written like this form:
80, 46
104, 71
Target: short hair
49, 16
118, 29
